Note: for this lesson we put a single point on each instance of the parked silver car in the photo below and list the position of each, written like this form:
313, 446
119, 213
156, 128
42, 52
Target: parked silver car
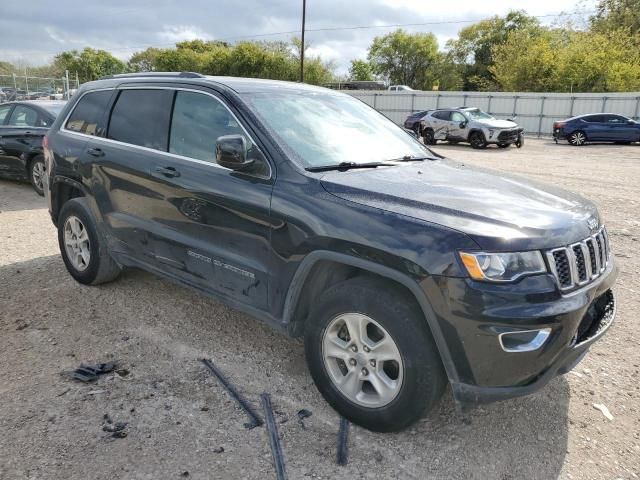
469, 125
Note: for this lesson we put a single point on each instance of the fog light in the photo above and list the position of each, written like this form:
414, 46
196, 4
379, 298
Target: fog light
523, 340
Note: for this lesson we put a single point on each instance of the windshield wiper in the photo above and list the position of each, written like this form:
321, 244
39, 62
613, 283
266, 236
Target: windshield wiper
412, 158
342, 166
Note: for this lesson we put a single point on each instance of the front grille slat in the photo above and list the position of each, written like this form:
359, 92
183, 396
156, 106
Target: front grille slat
581, 262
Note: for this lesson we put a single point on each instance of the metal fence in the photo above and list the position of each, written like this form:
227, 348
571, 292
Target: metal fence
536, 112
26, 87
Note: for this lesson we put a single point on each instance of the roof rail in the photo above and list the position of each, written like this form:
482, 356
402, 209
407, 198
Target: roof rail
154, 74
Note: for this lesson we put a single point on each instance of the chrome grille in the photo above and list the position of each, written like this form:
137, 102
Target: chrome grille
580, 263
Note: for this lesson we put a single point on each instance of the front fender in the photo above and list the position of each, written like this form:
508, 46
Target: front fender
305, 267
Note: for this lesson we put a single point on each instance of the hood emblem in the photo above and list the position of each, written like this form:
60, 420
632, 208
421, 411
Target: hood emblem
592, 223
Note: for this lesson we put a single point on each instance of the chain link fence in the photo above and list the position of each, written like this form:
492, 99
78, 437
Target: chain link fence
25, 87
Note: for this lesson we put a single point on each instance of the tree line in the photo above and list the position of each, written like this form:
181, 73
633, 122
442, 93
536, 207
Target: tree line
513, 52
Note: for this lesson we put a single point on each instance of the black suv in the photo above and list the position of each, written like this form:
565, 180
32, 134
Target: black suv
308, 209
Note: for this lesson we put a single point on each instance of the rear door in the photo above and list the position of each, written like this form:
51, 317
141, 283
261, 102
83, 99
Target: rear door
440, 124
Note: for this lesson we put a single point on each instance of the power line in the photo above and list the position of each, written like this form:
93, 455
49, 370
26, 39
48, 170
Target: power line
353, 27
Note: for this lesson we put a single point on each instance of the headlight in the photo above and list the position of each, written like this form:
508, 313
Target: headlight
502, 267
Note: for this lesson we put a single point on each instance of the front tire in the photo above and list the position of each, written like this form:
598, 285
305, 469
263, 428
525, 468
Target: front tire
477, 140
37, 173
371, 354
83, 250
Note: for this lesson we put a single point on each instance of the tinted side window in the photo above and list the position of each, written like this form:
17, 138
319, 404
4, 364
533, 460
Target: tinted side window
442, 115
4, 110
615, 119
594, 118
198, 121
141, 117
23, 117
88, 113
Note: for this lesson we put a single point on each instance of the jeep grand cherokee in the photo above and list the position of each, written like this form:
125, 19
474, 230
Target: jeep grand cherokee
304, 207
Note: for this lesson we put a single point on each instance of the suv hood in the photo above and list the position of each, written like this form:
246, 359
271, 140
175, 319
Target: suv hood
498, 211
496, 123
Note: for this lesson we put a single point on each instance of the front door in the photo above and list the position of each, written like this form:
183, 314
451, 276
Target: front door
173, 206
457, 127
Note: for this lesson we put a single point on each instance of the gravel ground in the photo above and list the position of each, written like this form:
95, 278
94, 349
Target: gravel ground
179, 417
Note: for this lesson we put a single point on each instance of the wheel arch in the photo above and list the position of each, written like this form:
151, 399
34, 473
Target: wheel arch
295, 311
63, 189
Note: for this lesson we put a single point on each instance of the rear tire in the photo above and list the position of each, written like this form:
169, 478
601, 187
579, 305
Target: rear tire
429, 137
37, 173
393, 393
477, 140
83, 249
577, 138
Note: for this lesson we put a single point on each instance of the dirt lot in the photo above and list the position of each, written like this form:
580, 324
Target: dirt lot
178, 415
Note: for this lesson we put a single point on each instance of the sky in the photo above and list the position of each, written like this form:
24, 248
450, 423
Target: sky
34, 31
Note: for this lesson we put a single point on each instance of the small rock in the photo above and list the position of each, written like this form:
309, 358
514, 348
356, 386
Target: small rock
184, 474
218, 450
204, 408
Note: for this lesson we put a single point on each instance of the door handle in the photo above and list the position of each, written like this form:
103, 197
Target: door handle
168, 171
96, 152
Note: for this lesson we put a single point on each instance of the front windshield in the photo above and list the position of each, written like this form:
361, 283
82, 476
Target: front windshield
324, 129
477, 114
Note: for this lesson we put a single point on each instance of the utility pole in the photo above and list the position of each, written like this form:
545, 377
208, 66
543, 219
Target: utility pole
304, 11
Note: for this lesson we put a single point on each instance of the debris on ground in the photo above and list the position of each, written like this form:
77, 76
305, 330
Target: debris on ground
256, 421
274, 438
605, 411
218, 450
302, 414
117, 429
90, 373
343, 442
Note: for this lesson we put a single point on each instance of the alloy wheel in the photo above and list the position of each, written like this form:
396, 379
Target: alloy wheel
578, 138
37, 173
362, 360
76, 242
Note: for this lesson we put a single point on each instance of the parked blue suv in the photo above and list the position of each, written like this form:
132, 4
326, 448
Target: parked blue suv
601, 127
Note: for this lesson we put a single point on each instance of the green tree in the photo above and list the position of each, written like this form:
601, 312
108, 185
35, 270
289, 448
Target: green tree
90, 64
144, 61
360, 70
616, 15
404, 58
473, 49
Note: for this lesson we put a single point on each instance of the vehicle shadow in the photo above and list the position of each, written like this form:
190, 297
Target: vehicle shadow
16, 195
519, 438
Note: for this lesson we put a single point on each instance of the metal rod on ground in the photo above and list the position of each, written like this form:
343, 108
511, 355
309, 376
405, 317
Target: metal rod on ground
304, 14
274, 439
256, 421
343, 442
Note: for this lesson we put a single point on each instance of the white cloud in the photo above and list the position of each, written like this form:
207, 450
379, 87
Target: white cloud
181, 33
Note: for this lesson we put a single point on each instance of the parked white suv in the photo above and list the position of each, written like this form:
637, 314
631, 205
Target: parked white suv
469, 125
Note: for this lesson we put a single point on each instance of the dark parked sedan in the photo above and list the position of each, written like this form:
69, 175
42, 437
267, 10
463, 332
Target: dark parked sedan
22, 127
600, 127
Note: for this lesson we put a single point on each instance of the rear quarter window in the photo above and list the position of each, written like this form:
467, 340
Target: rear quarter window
87, 116
142, 117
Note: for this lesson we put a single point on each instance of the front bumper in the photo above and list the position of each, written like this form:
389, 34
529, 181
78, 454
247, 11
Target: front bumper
472, 315
505, 136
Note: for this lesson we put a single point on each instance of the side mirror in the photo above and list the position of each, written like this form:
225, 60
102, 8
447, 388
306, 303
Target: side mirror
631, 122
463, 125
231, 152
